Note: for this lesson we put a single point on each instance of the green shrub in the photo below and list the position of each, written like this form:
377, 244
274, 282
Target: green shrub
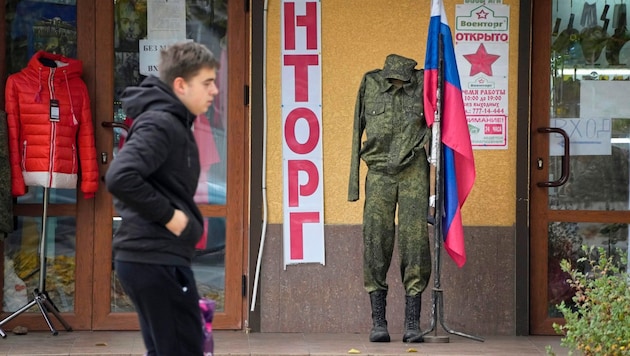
598, 320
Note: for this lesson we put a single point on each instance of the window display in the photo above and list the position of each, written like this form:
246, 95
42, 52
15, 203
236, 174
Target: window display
590, 76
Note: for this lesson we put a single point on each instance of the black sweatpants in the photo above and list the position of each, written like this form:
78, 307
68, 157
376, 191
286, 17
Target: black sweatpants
167, 303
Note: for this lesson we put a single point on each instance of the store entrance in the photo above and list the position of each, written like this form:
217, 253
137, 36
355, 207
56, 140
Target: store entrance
108, 37
580, 143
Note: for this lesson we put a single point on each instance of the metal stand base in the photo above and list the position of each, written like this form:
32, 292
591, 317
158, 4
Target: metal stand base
45, 305
41, 298
437, 313
441, 339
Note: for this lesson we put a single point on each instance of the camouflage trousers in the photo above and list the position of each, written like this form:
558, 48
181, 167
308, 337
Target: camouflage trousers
409, 190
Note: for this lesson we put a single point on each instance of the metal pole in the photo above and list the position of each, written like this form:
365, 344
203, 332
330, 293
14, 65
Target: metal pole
437, 309
42, 243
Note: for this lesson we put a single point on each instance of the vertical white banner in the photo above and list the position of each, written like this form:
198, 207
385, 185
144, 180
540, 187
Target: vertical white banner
302, 166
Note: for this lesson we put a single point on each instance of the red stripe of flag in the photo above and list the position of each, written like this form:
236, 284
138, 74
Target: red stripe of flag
458, 161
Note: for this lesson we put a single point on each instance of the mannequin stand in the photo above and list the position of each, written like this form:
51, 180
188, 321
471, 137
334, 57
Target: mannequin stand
437, 309
40, 296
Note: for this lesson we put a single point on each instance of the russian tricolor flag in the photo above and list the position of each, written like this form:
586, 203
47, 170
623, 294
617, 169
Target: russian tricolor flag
457, 157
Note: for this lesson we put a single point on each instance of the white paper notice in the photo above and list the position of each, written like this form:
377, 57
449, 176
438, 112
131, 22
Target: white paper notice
149, 55
482, 44
166, 19
587, 136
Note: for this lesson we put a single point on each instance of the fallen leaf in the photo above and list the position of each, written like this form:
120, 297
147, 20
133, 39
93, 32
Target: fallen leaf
412, 350
354, 351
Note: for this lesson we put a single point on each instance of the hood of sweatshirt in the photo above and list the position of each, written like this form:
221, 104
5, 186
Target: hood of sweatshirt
153, 94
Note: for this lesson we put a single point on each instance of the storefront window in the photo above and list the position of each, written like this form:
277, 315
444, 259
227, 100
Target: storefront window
33, 26
590, 79
22, 264
138, 22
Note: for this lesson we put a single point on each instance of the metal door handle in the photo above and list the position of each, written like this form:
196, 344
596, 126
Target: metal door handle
112, 124
566, 169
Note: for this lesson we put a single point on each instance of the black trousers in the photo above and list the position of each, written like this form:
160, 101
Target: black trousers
167, 303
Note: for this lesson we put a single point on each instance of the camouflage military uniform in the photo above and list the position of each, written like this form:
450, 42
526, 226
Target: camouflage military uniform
392, 117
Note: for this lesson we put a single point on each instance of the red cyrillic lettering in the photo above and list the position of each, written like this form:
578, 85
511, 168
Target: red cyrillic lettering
296, 241
289, 130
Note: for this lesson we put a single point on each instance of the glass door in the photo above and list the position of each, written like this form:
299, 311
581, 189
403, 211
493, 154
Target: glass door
59, 235
580, 143
138, 26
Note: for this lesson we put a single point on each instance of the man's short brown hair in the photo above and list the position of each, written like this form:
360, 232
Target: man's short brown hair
184, 59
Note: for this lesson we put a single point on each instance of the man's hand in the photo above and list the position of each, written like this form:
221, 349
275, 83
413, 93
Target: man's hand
178, 222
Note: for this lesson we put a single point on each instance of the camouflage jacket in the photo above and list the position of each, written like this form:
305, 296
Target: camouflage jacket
392, 117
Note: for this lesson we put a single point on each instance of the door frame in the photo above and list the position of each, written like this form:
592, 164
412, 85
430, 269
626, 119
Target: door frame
539, 213
82, 211
237, 155
522, 170
540, 323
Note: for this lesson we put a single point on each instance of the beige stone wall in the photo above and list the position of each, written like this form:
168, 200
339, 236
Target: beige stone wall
357, 35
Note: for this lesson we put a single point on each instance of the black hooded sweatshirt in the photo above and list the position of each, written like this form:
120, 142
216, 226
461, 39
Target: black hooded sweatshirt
154, 173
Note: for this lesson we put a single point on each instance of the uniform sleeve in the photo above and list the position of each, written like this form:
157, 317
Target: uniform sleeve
87, 149
12, 107
357, 133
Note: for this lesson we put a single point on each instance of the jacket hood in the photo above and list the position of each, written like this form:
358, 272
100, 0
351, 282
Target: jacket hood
153, 94
43, 61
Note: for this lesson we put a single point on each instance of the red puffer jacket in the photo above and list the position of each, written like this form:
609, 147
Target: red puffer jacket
44, 141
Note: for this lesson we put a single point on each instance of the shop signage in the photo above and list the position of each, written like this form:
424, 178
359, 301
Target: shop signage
303, 179
482, 37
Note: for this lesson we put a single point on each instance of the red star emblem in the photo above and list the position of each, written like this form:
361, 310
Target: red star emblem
482, 14
481, 61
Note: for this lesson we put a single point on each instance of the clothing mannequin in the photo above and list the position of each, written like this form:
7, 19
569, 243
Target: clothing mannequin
389, 109
51, 135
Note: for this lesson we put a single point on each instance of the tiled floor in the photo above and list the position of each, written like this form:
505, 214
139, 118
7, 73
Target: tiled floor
263, 344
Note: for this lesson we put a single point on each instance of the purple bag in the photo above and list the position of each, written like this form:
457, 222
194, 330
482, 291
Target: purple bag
207, 307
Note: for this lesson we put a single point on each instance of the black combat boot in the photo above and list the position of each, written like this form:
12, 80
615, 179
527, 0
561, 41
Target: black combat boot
412, 319
379, 333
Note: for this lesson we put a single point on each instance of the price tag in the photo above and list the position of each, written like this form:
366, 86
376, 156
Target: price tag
54, 110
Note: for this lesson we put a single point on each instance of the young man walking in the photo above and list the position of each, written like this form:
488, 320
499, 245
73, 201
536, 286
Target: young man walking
153, 179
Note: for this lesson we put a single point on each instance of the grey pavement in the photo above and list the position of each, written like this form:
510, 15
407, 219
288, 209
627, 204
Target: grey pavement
239, 343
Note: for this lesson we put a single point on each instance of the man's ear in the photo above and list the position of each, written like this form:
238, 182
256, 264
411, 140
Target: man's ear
179, 86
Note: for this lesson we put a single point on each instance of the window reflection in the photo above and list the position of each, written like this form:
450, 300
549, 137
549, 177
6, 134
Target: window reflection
35, 195
39, 25
206, 22
565, 242
590, 76
21, 262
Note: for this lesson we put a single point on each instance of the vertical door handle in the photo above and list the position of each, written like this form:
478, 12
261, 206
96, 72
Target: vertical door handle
566, 169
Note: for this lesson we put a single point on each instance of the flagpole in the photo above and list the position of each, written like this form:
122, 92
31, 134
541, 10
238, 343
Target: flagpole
437, 309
